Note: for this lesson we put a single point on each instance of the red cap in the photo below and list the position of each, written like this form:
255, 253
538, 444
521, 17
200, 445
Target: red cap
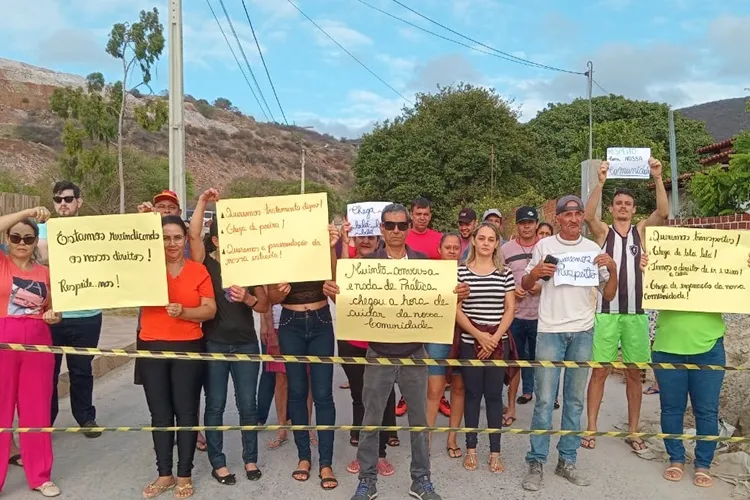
167, 195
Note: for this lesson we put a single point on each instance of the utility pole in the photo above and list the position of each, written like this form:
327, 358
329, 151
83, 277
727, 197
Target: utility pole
674, 209
302, 171
176, 104
492, 170
590, 75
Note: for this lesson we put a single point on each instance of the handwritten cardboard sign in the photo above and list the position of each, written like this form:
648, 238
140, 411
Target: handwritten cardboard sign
274, 239
106, 261
577, 269
396, 301
628, 163
365, 217
697, 270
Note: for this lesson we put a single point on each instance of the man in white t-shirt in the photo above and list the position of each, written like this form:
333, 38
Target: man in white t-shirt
565, 333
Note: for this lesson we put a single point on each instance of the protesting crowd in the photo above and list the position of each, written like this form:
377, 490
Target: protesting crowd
508, 309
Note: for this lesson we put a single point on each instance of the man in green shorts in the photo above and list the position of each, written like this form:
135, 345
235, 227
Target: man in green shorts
622, 322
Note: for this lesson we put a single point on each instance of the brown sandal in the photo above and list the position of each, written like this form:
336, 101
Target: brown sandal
496, 463
185, 491
153, 490
470, 460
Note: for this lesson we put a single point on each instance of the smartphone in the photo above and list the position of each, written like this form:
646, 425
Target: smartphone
550, 259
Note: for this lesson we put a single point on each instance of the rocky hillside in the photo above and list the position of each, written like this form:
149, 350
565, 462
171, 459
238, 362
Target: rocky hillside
221, 145
724, 119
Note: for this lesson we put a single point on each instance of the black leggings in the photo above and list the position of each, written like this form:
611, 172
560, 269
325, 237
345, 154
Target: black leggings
356, 375
173, 388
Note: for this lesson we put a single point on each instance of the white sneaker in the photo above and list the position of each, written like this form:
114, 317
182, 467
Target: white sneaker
48, 489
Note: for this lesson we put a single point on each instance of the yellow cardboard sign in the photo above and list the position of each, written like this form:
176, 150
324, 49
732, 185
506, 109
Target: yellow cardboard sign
697, 270
396, 301
107, 261
274, 239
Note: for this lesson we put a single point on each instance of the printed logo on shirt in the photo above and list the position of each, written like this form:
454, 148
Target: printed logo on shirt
27, 297
633, 250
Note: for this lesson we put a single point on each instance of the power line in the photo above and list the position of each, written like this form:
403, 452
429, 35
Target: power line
349, 53
263, 60
601, 88
515, 58
239, 64
452, 40
247, 62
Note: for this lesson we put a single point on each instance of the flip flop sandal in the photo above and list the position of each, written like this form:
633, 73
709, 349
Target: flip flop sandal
15, 460
651, 391
394, 442
354, 441
470, 461
385, 468
679, 472
153, 490
496, 464
707, 481
588, 443
276, 443
184, 491
508, 421
353, 467
522, 400
301, 475
454, 452
636, 444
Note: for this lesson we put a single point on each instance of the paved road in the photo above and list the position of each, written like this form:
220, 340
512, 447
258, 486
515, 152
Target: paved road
118, 465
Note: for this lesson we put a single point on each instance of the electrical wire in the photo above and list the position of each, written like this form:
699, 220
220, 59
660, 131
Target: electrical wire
511, 56
452, 40
263, 60
600, 87
247, 62
239, 64
349, 53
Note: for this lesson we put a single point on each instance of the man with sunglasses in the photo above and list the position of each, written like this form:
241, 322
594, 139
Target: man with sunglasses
379, 379
77, 328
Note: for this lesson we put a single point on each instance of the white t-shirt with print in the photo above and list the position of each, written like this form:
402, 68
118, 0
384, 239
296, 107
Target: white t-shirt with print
565, 308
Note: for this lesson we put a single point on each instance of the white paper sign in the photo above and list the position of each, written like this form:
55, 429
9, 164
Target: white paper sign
577, 269
628, 163
365, 217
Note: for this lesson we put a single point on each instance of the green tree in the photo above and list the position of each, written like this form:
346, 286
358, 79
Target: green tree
251, 187
139, 44
223, 103
441, 148
561, 131
725, 191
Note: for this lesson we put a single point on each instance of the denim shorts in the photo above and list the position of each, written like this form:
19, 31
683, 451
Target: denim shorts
437, 351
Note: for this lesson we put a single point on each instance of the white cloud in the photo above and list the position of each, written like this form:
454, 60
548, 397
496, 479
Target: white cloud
69, 46
445, 70
346, 36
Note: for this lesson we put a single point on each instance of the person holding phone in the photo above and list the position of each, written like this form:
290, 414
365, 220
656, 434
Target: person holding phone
565, 333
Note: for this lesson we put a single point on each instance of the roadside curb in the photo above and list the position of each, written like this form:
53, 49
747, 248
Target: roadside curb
100, 366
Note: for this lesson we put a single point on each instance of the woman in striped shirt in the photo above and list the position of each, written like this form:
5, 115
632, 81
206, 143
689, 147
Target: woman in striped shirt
484, 320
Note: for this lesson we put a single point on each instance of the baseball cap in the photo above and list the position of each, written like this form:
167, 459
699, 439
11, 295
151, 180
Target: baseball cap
563, 204
491, 211
467, 215
526, 214
167, 195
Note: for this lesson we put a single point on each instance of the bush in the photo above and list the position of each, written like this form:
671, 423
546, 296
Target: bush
204, 108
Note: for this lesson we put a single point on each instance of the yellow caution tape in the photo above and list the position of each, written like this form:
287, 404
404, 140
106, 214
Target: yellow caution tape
206, 356
376, 428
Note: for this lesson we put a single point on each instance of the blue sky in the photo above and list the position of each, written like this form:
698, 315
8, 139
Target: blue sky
679, 51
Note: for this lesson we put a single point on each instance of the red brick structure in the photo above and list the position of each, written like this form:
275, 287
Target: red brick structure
736, 221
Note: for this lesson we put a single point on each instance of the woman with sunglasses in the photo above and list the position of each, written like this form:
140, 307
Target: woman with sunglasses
306, 329
173, 386
364, 246
450, 249
25, 378
484, 320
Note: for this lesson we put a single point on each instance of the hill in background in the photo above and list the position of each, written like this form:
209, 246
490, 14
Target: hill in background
221, 144
724, 119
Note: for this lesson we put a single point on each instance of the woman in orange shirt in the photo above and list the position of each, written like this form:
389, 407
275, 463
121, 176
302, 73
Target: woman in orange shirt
173, 386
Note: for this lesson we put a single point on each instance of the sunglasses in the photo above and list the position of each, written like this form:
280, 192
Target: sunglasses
17, 238
66, 199
390, 226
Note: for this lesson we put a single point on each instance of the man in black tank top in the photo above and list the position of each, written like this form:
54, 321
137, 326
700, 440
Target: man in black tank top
622, 322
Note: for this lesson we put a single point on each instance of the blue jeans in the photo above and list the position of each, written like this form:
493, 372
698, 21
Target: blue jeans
310, 333
574, 346
524, 335
266, 391
704, 388
245, 379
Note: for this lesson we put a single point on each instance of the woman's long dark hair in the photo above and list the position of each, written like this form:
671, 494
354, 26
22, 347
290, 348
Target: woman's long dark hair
213, 230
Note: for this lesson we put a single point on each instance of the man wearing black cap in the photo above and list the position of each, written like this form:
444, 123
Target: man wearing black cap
467, 222
565, 333
517, 254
